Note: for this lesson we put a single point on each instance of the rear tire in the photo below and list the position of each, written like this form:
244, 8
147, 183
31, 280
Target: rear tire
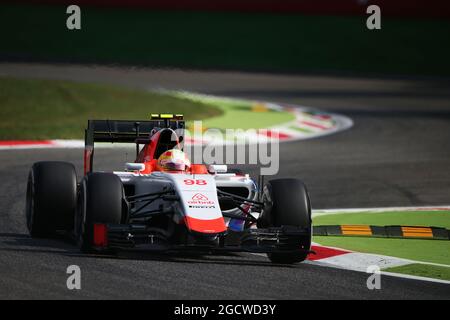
286, 203
100, 201
51, 198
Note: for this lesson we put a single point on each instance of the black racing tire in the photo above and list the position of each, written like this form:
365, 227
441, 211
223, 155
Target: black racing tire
287, 203
100, 201
51, 198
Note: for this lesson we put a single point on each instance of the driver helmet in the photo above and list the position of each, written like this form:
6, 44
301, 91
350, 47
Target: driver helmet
174, 160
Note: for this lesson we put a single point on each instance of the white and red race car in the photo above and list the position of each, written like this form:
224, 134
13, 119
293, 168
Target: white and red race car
205, 208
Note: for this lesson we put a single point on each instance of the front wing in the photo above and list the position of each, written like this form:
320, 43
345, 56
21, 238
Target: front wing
269, 240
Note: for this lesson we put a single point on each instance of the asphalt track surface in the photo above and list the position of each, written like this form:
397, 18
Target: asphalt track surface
397, 154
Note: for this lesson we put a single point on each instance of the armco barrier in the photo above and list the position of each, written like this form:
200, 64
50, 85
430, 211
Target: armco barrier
405, 8
405, 232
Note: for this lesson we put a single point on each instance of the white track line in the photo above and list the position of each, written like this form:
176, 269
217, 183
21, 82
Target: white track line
393, 262
407, 276
390, 274
357, 261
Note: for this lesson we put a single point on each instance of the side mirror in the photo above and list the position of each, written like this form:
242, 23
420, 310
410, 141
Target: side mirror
131, 166
217, 168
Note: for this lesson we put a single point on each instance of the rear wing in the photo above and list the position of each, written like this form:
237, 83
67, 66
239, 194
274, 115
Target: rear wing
126, 131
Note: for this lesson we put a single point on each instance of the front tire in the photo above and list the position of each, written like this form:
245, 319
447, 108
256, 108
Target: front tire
51, 198
286, 203
100, 201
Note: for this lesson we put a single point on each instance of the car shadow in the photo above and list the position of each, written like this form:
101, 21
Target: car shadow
241, 259
18, 242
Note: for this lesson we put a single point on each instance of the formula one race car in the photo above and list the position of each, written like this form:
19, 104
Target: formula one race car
163, 202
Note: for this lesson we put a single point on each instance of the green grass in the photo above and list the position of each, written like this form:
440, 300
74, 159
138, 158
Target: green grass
241, 117
421, 270
437, 251
237, 114
407, 218
284, 42
47, 109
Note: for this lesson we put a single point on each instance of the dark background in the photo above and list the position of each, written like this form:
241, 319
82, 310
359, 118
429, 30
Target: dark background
282, 36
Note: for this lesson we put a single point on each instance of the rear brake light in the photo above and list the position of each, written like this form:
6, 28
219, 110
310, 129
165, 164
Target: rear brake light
100, 235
